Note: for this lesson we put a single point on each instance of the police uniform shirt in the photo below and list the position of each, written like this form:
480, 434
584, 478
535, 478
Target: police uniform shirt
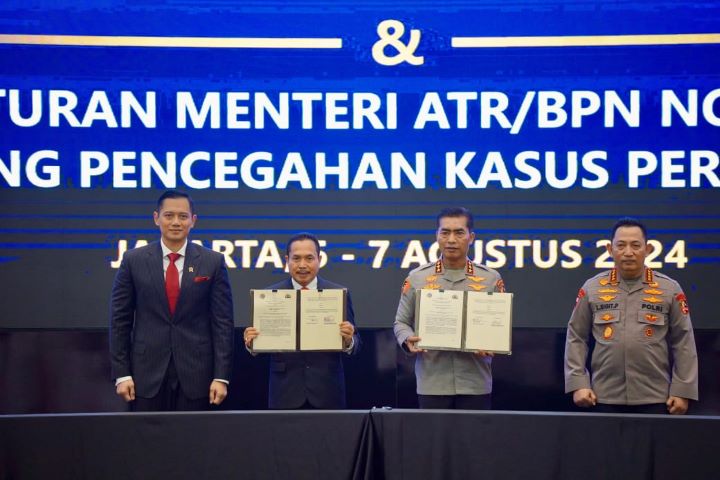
443, 372
638, 328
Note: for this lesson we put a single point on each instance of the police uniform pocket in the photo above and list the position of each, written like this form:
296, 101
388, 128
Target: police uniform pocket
652, 325
605, 325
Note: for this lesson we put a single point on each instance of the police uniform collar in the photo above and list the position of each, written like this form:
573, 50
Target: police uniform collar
649, 276
614, 276
469, 267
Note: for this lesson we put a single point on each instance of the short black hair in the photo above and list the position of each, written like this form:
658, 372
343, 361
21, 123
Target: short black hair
457, 212
303, 236
175, 194
628, 222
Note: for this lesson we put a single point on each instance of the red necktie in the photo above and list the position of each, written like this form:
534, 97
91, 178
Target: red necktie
172, 282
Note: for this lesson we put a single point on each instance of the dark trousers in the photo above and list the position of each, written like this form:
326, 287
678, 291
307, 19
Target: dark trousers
305, 406
456, 402
170, 398
654, 408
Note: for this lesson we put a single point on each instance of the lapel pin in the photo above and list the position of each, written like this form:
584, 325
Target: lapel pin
190, 269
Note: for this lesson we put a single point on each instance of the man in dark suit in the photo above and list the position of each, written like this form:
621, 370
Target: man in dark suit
308, 379
171, 325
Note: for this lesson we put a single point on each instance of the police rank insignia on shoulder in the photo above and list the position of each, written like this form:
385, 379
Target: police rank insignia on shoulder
500, 286
652, 299
406, 286
649, 276
469, 268
611, 280
683, 303
477, 288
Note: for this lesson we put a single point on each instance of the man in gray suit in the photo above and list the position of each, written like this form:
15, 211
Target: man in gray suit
460, 380
171, 325
644, 359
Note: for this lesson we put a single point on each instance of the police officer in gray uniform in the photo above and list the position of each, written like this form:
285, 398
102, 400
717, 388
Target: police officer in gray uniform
644, 359
447, 379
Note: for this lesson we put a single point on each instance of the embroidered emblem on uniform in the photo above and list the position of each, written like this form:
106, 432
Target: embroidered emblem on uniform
500, 286
473, 278
608, 290
477, 288
432, 286
431, 278
652, 299
653, 291
604, 281
580, 295
608, 333
649, 332
607, 298
190, 269
405, 286
684, 307
650, 317
607, 317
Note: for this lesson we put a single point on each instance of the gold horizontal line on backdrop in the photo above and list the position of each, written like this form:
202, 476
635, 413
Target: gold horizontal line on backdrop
191, 42
586, 40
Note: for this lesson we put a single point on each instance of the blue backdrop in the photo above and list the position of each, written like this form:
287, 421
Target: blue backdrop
361, 138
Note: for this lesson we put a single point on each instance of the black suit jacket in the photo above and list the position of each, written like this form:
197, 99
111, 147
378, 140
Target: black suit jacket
317, 377
144, 336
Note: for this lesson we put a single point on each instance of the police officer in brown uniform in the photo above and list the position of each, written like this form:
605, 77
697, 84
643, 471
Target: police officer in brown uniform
644, 359
445, 379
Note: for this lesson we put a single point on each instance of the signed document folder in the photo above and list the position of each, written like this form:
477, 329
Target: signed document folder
464, 321
292, 320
